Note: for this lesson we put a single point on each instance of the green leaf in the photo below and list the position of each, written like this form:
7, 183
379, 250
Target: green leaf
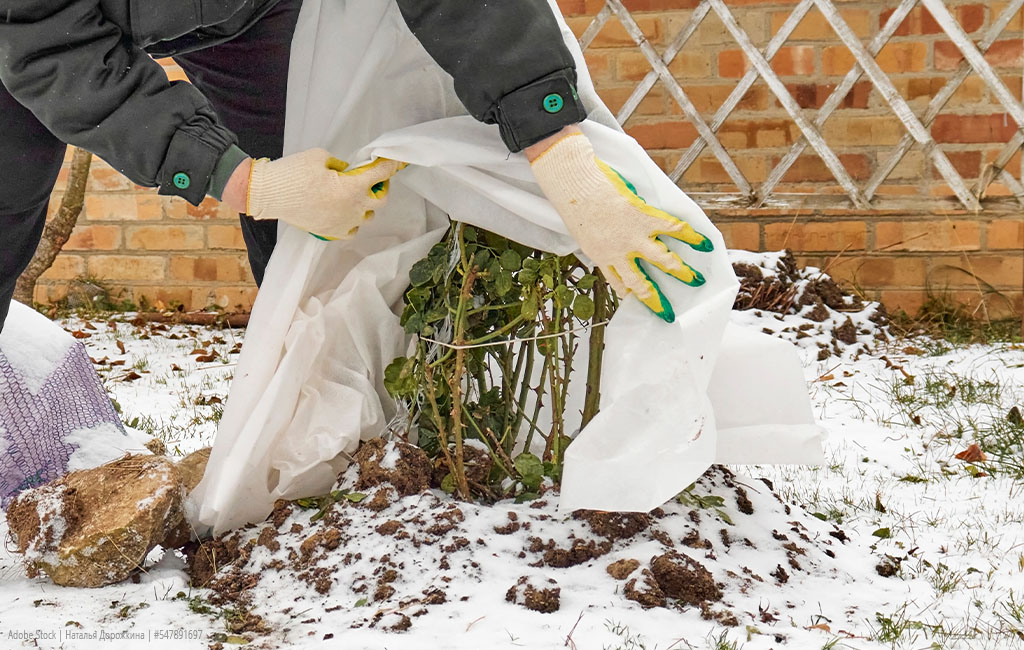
586, 283
355, 497
526, 496
530, 307
469, 233
882, 533
362, 602
308, 503
529, 465
511, 261
448, 483
482, 259
503, 282
422, 272
563, 296
400, 377
527, 276
583, 307
234, 639
820, 515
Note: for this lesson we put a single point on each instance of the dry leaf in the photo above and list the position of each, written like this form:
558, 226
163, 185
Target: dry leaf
120, 346
821, 626
79, 334
973, 454
132, 376
206, 358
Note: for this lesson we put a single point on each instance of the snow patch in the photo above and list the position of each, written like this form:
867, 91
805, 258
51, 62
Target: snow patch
101, 444
33, 345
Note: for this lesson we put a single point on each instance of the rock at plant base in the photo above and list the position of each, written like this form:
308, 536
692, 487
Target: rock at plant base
95, 527
191, 469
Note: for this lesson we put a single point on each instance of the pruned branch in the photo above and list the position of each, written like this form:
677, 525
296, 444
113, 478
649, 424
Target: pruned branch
58, 230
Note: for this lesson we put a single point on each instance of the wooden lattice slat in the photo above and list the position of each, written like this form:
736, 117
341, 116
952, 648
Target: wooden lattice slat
917, 128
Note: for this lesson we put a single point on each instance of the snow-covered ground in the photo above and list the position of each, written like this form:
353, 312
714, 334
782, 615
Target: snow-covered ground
892, 499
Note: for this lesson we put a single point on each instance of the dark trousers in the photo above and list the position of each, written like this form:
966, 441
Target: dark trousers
245, 80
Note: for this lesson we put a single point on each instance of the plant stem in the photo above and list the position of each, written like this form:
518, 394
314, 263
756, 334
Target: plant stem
592, 401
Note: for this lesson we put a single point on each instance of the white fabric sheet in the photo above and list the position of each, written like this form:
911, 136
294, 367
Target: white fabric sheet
309, 384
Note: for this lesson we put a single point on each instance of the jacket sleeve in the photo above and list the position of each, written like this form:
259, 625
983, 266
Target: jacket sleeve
91, 87
510, 64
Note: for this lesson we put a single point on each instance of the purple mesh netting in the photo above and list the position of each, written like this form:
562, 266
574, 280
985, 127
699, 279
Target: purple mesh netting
34, 426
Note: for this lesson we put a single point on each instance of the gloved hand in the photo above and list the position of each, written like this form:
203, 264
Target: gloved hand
318, 193
613, 225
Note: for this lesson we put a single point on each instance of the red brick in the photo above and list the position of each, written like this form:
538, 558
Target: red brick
875, 272
84, 238
973, 128
903, 57
126, 267
660, 5
663, 135
1003, 54
1005, 234
732, 64
743, 236
967, 163
937, 235
918, 21
972, 17
811, 95
166, 238
810, 168
832, 236
794, 60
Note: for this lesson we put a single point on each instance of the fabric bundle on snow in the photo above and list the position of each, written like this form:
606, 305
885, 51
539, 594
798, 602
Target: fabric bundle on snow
309, 385
54, 412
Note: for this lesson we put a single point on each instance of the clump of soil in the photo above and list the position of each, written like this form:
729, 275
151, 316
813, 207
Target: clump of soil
682, 577
645, 591
205, 559
95, 527
404, 466
809, 293
621, 569
581, 551
614, 525
544, 599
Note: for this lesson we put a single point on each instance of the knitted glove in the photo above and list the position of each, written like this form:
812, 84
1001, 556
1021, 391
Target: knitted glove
318, 193
613, 225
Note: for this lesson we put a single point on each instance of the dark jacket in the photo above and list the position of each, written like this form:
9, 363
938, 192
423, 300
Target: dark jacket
83, 67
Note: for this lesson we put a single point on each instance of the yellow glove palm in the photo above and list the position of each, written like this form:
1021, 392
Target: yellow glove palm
613, 225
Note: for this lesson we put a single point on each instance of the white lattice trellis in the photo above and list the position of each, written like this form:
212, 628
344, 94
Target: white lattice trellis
917, 127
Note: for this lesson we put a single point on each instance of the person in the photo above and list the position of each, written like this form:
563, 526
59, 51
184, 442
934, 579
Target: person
81, 72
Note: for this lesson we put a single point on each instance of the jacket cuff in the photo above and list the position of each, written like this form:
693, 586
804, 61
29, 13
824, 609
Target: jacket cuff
190, 161
222, 171
539, 109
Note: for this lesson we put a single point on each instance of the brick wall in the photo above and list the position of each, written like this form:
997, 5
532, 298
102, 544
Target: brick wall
165, 250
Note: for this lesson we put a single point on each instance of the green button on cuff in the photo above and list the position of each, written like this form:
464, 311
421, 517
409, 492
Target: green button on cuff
182, 181
553, 103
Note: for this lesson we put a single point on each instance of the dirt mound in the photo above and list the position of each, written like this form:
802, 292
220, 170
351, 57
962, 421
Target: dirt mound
95, 527
397, 463
544, 599
804, 303
340, 549
621, 569
682, 577
645, 591
614, 525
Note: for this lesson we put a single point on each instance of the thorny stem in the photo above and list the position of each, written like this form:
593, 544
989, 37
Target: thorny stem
592, 401
455, 381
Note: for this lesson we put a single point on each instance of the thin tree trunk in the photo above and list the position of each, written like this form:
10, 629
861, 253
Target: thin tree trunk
58, 230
